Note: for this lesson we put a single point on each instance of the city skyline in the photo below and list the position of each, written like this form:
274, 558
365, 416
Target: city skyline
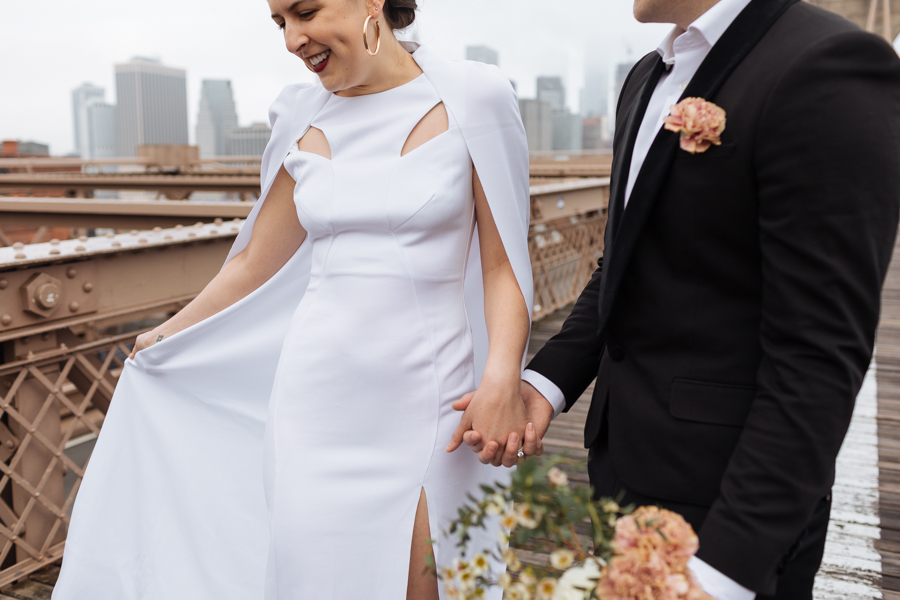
96, 34
217, 132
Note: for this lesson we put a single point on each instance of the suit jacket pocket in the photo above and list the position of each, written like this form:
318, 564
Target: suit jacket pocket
708, 402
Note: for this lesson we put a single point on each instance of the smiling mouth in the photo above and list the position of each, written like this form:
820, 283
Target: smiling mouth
319, 61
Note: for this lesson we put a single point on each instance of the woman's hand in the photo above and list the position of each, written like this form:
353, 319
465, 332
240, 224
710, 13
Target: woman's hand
539, 413
497, 412
145, 340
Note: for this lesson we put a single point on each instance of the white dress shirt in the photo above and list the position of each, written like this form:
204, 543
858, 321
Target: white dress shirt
683, 52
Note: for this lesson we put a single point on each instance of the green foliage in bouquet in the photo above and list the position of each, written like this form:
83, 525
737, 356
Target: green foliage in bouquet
621, 554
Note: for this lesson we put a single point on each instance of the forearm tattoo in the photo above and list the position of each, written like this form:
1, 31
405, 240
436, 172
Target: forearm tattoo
160, 337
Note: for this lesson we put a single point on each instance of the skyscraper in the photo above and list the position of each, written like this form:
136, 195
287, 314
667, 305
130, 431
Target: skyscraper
216, 118
82, 97
152, 105
567, 130
101, 130
537, 118
595, 101
483, 54
622, 71
247, 141
552, 91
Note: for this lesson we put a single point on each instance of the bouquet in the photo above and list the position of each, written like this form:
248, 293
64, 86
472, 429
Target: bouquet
618, 554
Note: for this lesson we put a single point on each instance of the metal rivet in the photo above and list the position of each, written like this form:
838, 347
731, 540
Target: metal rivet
82, 238
80, 249
157, 229
198, 224
218, 221
116, 244
142, 241
18, 245
179, 226
110, 235
21, 255
54, 251
88, 286
71, 272
54, 242
3, 284
74, 306
168, 237
134, 232
235, 229
192, 234
5, 320
213, 231
236, 220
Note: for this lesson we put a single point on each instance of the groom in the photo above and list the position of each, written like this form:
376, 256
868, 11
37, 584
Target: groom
733, 317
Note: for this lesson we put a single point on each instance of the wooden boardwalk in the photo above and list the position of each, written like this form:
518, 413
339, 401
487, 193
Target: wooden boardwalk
862, 555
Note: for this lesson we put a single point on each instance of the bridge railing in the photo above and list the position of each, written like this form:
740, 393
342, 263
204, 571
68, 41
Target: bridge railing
70, 311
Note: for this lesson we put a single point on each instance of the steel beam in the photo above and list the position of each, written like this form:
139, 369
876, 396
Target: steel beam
114, 214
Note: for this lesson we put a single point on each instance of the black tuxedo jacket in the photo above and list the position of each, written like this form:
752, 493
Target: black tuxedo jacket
734, 315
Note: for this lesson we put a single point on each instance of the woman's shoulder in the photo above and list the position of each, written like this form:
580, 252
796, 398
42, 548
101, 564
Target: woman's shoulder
290, 97
485, 83
475, 81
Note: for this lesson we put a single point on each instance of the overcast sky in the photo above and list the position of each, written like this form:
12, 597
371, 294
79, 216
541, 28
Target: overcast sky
50, 47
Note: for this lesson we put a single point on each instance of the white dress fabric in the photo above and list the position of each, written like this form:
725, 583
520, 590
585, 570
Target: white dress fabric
278, 449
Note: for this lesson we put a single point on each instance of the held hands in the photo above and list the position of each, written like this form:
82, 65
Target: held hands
497, 412
491, 445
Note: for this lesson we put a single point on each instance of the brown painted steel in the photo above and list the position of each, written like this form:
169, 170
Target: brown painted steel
114, 214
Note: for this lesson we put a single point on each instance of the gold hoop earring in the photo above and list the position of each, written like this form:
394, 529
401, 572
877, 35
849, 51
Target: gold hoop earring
377, 36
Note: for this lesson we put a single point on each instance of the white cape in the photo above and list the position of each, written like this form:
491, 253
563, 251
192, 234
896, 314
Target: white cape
172, 505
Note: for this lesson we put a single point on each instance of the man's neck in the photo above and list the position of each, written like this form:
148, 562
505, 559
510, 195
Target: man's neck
689, 11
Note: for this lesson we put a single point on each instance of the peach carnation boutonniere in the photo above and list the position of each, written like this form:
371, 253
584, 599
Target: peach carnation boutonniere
699, 122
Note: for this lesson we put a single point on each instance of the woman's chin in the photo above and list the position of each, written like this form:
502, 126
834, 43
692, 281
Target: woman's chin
331, 85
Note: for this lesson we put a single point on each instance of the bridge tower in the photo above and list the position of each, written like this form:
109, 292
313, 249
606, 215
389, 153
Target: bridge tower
877, 16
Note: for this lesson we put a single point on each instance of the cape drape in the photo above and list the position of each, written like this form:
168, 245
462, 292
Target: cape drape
172, 504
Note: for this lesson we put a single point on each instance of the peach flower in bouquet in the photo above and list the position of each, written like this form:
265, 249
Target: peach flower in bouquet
651, 550
597, 549
699, 122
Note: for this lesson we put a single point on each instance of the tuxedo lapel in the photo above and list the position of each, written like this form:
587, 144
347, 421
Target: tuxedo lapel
632, 125
737, 41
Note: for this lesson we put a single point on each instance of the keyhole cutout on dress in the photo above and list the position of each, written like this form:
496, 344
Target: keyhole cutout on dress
433, 124
315, 142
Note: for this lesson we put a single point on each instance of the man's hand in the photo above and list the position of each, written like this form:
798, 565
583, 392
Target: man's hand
539, 414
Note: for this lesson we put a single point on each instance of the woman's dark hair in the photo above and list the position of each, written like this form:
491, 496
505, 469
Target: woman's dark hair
400, 14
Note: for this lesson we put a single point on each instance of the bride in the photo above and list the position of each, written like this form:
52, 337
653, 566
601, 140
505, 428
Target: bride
285, 436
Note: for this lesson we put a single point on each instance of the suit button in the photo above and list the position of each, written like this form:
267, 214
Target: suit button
616, 352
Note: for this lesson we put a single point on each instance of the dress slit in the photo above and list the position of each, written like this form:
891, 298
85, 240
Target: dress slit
417, 564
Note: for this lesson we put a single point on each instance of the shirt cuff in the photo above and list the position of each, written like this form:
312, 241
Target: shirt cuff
717, 584
547, 389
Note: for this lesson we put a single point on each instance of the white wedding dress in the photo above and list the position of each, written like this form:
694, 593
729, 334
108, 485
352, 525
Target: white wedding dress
376, 353
206, 483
